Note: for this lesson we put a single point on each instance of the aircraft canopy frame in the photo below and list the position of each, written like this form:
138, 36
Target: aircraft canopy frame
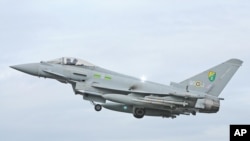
70, 61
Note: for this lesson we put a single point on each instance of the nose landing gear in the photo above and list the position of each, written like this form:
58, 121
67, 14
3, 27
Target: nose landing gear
98, 107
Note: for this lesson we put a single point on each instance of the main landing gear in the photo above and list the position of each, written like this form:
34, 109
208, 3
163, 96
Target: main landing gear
138, 112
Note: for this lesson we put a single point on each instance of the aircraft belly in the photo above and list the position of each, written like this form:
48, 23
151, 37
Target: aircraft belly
129, 109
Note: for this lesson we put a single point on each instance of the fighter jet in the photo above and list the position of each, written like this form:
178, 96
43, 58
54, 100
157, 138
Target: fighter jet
119, 92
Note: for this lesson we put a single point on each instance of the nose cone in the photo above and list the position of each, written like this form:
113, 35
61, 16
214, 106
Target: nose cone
28, 68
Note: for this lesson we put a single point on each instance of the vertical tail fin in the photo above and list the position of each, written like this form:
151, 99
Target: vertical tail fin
213, 80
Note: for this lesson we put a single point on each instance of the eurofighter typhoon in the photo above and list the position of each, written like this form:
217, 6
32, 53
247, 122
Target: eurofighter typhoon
122, 93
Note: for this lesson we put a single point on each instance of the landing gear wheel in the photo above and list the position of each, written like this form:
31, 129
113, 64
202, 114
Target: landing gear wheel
139, 112
98, 107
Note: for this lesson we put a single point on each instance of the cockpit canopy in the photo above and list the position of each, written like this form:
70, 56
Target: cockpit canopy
70, 61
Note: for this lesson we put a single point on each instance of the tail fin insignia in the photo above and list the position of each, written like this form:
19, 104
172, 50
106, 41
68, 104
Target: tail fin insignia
213, 80
211, 76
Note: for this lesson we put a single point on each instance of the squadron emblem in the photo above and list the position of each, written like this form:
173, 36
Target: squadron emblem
211, 76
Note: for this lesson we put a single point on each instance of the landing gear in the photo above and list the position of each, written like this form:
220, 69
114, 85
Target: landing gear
98, 107
139, 112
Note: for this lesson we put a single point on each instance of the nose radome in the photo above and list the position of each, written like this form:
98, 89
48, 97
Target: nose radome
31, 68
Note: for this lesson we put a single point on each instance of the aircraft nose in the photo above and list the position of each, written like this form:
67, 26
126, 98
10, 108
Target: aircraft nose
31, 68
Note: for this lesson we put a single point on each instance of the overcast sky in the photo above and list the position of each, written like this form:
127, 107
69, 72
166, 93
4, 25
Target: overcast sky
165, 40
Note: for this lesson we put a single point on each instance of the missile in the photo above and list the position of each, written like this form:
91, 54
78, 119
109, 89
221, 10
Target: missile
161, 101
142, 101
125, 99
187, 95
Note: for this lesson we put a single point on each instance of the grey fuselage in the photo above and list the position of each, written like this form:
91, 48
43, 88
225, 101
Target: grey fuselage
128, 94
115, 83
